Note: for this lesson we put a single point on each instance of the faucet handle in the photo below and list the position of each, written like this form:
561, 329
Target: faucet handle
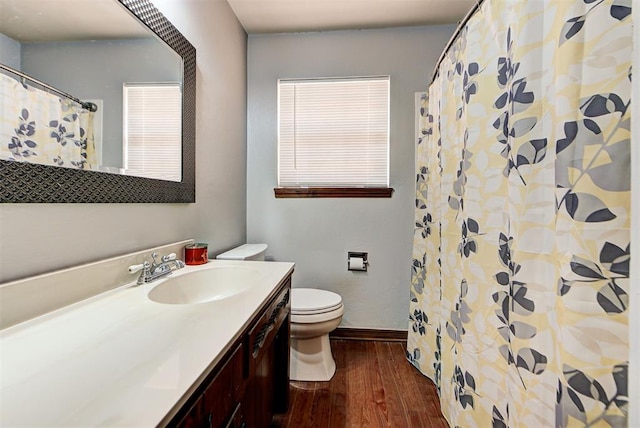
144, 267
168, 257
137, 268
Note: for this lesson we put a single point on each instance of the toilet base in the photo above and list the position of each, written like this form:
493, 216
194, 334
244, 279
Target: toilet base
311, 359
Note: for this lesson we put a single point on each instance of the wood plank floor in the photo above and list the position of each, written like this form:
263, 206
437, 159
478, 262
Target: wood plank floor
374, 386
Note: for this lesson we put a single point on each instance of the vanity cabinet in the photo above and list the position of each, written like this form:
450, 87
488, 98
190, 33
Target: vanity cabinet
251, 381
219, 394
267, 388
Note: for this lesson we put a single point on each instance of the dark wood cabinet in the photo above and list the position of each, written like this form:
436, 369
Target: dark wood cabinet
269, 363
220, 395
251, 382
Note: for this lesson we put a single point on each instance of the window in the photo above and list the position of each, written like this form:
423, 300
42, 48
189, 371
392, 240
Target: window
152, 123
333, 133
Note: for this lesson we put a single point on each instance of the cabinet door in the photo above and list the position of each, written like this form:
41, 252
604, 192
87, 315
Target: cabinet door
196, 417
267, 389
237, 418
281, 345
259, 395
220, 398
214, 407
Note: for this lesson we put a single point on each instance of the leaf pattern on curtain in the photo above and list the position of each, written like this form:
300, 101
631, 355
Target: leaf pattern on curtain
39, 127
520, 274
21, 143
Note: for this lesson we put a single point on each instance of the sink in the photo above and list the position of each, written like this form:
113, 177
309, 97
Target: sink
206, 285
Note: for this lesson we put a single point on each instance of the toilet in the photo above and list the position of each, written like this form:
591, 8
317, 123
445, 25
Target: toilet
314, 314
245, 252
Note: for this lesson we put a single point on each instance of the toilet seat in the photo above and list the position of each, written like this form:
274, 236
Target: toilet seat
311, 301
310, 305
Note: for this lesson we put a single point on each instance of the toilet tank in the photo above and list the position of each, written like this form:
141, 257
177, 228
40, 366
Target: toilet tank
245, 252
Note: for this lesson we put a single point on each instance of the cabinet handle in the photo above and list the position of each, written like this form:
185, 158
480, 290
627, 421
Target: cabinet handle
262, 337
264, 331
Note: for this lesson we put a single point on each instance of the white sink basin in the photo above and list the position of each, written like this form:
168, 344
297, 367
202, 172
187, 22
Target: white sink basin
206, 285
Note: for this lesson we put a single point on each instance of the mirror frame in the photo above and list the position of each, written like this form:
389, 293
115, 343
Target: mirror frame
22, 182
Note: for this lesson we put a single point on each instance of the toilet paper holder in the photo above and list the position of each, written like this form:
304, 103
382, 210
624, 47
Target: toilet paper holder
357, 261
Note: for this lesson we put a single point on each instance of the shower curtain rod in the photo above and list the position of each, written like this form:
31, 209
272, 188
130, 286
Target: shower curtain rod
455, 35
86, 105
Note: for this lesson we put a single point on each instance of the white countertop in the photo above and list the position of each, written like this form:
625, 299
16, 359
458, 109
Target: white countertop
120, 359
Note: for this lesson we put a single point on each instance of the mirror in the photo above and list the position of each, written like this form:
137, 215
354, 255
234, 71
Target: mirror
92, 63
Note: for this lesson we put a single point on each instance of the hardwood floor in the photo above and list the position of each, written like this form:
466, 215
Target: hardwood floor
374, 386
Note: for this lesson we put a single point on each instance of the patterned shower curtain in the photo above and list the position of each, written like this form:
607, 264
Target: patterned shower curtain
520, 282
39, 127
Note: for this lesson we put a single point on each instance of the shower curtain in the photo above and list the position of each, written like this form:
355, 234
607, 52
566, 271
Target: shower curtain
520, 274
39, 127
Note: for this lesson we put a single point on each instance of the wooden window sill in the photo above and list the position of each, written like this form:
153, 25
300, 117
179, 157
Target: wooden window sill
333, 192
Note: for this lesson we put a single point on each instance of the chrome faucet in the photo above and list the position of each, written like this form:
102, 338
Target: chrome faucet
155, 270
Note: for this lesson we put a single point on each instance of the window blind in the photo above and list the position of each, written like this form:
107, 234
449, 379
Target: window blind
333, 132
153, 130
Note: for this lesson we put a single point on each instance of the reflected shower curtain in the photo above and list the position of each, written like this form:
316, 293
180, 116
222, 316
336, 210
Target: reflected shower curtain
39, 127
520, 283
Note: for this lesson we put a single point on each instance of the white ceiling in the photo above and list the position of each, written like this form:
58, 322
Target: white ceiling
36, 20
48, 20
288, 16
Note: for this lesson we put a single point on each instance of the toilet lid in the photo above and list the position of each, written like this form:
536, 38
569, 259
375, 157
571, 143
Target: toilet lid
307, 301
243, 252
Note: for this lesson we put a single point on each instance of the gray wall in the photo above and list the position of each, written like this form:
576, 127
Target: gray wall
37, 238
317, 233
9, 52
97, 70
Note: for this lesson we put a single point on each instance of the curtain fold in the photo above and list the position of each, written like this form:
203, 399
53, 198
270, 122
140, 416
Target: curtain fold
39, 127
520, 274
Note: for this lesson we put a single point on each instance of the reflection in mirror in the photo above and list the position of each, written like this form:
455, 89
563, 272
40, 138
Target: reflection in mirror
59, 63
32, 182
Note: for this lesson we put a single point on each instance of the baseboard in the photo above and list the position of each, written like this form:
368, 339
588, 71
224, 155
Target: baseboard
348, 333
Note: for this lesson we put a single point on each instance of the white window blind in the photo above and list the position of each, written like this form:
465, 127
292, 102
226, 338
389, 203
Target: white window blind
153, 130
333, 132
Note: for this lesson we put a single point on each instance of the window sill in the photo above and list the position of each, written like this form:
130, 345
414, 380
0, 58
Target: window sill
333, 192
